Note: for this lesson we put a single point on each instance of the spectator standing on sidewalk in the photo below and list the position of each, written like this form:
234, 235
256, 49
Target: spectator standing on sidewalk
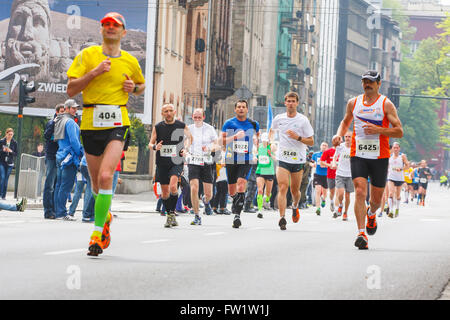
8, 153
39, 150
68, 157
51, 147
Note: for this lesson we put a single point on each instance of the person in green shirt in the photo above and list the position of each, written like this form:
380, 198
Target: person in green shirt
265, 173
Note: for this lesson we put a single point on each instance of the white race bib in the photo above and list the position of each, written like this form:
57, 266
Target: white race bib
289, 155
107, 116
196, 160
366, 147
423, 180
240, 146
264, 159
168, 151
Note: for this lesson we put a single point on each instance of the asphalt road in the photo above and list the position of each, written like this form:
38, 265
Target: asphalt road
408, 257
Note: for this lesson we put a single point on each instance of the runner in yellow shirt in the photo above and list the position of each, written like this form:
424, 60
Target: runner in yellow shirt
106, 76
408, 186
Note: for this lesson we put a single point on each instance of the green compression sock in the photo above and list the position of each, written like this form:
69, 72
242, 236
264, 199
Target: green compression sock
259, 199
268, 198
102, 204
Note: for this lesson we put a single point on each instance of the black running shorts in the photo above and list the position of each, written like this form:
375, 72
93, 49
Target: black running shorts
202, 173
397, 183
95, 141
321, 181
291, 167
376, 169
236, 171
164, 173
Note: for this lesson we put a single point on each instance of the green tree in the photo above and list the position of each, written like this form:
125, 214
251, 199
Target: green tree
419, 73
139, 138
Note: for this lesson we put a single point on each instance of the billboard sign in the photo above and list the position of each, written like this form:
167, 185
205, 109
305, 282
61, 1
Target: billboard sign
50, 33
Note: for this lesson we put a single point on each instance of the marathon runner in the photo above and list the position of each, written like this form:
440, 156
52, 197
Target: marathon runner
397, 163
295, 134
372, 113
407, 174
344, 183
325, 161
106, 76
320, 182
168, 140
424, 175
416, 182
265, 173
238, 136
200, 162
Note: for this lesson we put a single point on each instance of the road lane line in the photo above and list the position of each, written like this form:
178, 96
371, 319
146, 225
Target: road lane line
12, 222
64, 252
156, 241
214, 233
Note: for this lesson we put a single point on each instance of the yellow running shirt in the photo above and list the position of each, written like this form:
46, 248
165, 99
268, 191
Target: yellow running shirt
407, 175
107, 88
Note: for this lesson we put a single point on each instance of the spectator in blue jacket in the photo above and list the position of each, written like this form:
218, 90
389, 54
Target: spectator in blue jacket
51, 147
68, 156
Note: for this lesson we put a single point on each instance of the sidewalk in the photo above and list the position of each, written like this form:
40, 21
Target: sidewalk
137, 203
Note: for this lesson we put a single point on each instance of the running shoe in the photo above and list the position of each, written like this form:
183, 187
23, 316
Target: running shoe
380, 214
68, 218
371, 226
266, 205
260, 215
174, 221
362, 242
106, 234
322, 204
339, 212
237, 222
344, 217
170, 217
396, 213
95, 246
295, 215
282, 223
332, 206
208, 209
21, 206
197, 221
335, 215
318, 211
390, 215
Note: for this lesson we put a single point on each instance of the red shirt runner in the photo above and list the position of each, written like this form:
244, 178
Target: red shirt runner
327, 157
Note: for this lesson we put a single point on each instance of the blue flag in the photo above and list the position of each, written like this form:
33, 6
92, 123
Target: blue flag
269, 116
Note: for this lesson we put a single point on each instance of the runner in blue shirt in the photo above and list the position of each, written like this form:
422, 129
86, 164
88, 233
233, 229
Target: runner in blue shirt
238, 136
320, 178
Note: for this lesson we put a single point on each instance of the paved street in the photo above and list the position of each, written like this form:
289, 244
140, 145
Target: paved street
409, 257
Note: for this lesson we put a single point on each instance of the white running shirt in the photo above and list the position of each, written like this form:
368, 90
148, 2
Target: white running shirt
290, 150
203, 136
343, 167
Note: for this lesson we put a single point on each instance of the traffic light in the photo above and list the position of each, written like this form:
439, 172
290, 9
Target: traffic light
394, 96
25, 88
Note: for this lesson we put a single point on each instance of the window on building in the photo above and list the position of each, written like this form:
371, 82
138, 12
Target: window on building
375, 40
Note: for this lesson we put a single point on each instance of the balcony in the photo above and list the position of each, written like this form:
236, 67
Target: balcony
222, 89
196, 3
293, 72
291, 24
283, 63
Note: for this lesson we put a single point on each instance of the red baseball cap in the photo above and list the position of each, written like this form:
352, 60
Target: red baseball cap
117, 17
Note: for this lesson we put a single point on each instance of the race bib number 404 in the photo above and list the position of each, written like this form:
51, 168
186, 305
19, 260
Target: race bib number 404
107, 116
368, 148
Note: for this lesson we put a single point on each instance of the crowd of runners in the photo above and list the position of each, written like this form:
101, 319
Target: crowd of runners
358, 160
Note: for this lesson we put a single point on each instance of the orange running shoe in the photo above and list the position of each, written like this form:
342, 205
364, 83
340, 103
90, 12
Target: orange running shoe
295, 215
371, 226
106, 235
344, 217
95, 246
362, 243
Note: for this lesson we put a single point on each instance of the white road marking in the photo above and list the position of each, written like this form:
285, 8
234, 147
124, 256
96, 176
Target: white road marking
214, 233
156, 241
64, 252
12, 222
430, 220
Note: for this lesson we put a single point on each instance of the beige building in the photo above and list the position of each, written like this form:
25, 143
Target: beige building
194, 70
169, 57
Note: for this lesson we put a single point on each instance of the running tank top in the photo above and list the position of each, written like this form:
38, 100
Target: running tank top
265, 161
172, 136
395, 171
375, 146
